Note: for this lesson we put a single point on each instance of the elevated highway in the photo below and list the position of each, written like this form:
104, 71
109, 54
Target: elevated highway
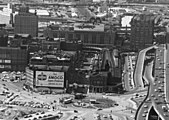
156, 104
138, 73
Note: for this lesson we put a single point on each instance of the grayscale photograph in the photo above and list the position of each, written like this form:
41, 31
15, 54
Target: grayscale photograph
84, 59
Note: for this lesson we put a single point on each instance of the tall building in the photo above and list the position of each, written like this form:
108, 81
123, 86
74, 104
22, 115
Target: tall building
3, 36
142, 30
26, 23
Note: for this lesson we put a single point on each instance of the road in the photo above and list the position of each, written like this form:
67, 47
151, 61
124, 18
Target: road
118, 113
128, 73
167, 73
155, 106
138, 74
147, 104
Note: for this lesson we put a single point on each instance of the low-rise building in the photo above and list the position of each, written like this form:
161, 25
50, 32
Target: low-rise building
13, 59
88, 34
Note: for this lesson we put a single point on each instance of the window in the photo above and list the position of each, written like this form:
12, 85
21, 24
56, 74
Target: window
78, 37
94, 38
1, 61
1, 66
70, 37
7, 61
102, 39
85, 38
8, 66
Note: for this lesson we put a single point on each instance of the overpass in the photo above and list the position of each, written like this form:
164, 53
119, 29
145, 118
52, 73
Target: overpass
155, 105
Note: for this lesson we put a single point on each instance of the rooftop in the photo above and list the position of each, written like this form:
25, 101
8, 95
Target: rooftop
88, 27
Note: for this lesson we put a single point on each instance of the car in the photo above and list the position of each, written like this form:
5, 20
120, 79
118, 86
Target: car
2, 94
30, 115
165, 115
148, 99
145, 106
145, 111
159, 95
155, 98
99, 109
159, 82
6, 88
42, 112
37, 113
116, 104
144, 115
75, 111
152, 95
140, 95
74, 117
104, 116
26, 116
50, 115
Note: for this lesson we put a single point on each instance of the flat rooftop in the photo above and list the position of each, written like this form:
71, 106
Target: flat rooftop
88, 27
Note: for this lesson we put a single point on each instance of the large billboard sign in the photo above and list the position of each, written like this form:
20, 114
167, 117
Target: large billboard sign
49, 79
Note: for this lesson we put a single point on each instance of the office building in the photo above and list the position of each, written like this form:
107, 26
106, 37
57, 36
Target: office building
26, 23
142, 31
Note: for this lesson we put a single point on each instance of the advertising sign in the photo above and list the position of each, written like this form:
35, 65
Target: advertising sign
49, 79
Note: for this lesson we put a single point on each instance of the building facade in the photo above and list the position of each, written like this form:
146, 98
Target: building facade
13, 59
97, 35
142, 31
46, 80
26, 23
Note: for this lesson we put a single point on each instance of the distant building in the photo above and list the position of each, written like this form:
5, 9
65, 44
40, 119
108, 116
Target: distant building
47, 80
89, 34
26, 23
50, 70
3, 36
13, 59
142, 31
99, 82
162, 1
161, 37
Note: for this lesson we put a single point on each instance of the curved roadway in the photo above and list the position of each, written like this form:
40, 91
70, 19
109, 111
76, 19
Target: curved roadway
158, 91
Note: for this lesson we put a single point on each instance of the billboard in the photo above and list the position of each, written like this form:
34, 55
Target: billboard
49, 79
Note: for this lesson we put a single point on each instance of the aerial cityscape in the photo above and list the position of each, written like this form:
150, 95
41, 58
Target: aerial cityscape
84, 59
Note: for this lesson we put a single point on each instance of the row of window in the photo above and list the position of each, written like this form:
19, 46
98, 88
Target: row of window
5, 61
5, 66
98, 82
88, 38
